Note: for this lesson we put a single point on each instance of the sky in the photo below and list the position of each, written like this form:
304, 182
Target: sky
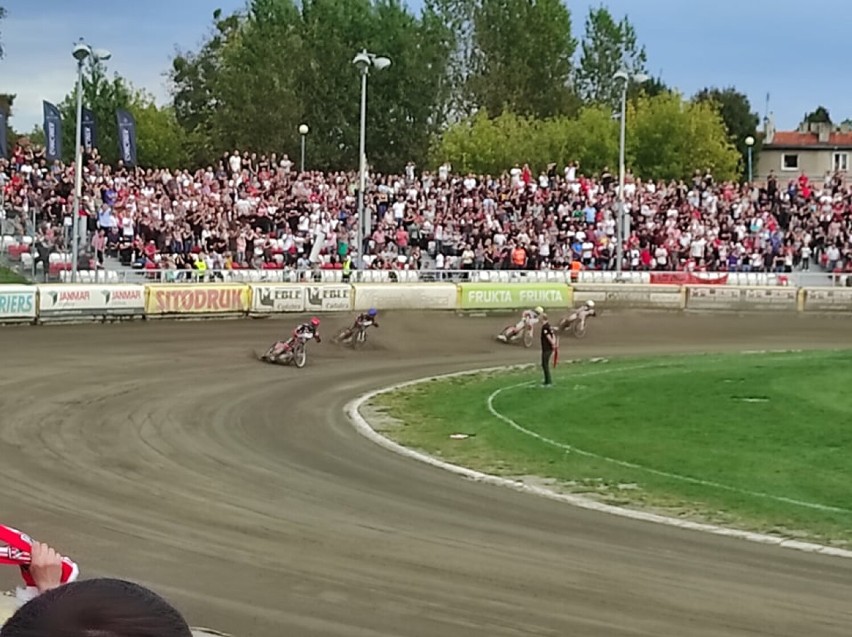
797, 55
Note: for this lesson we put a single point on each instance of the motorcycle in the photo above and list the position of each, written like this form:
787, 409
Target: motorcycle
281, 353
573, 324
507, 335
356, 337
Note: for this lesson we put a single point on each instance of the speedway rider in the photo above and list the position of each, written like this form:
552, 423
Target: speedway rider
580, 314
528, 319
305, 332
362, 321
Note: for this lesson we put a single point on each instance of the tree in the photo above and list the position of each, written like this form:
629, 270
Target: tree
522, 58
607, 47
6, 101
740, 121
669, 139
819, 116
2, 15
159, 137
281, 63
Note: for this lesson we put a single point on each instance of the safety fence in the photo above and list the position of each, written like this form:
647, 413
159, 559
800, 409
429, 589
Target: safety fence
63, 302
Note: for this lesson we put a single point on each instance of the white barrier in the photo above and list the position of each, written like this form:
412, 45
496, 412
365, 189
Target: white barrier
56, 301
401, 296
623, 296
729, 298
328, 298
18, 303
826, 300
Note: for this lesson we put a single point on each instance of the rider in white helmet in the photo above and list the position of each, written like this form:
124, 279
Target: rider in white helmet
528, 319
583, 312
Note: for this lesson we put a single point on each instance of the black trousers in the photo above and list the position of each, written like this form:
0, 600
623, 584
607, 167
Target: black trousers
545, 365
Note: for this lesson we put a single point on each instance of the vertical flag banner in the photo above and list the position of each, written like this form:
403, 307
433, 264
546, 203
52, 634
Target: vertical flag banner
4, 149
90, 131
52, 132
126, 137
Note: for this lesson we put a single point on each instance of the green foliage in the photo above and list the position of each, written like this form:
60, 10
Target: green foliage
522, 57
668, 139
161, 142
740, 121
263, 73
819, 116
2, 15
608, 47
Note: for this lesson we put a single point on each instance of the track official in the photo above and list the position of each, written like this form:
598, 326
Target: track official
548, 344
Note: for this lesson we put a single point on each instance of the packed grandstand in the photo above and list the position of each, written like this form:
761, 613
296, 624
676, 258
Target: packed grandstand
260, 213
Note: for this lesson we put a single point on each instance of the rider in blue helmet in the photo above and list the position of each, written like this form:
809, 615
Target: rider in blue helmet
362, 321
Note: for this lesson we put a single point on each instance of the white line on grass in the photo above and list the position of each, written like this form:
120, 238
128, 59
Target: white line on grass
632, 465
353, 409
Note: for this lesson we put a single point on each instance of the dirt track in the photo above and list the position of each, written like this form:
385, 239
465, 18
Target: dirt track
163, 453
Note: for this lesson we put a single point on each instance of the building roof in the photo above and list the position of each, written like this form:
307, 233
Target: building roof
806, 140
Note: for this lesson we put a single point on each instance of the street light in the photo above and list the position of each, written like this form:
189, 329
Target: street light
627, 78
749, 142
364, 61
81, 53
303, 131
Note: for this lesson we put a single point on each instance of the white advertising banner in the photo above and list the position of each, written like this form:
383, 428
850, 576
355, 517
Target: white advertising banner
95, 300
17, 302
274, 298
399, 296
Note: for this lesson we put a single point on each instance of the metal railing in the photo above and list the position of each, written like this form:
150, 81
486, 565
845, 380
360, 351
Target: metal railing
803, 279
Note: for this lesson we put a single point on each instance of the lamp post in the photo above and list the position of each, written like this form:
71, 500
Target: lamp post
81, 53
303, 131
364, 61
749, 142
626, 78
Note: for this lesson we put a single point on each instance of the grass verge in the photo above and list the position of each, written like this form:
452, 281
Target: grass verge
760, 441
9, 276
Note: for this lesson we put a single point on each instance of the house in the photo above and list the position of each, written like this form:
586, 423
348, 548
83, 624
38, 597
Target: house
813, 149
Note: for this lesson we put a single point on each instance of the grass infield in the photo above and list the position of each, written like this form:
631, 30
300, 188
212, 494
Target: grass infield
759, 441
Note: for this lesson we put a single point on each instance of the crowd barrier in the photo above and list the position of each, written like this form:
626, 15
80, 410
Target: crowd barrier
58, 302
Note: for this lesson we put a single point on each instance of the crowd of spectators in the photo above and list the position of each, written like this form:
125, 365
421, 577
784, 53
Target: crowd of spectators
260, 212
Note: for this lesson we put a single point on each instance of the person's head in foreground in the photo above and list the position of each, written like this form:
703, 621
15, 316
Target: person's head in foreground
101, 607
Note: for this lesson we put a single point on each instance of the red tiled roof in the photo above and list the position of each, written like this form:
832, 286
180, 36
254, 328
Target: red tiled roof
804, 140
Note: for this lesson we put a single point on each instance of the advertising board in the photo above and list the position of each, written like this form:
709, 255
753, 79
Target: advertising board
742, 299
328, 298
196, 299
505, 296
827, 299
272, 298
400, 296
94, 300
17, 302
629, 296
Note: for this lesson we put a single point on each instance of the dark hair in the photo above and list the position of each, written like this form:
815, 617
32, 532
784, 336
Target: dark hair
97, 608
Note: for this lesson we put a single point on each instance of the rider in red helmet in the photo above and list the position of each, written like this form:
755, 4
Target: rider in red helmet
306, 332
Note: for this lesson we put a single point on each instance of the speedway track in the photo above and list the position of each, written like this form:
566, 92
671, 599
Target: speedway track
162, 452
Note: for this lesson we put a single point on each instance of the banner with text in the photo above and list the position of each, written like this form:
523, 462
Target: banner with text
196, 299
636, 297
731, 298
328, 298
17, 302
402, 296
95, 300
271, 298
827, 299
496, 296
52, 132
89, 129
126, 137
688, 278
